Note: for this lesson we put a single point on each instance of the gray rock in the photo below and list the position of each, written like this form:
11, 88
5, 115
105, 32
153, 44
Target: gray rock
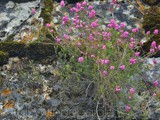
10, 5
14, 15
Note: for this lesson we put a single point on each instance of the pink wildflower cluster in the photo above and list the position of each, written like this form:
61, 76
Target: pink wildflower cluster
33, 11
102, 49
62, 3
65, 20
113, 2
118, 89
154, 47
92, 13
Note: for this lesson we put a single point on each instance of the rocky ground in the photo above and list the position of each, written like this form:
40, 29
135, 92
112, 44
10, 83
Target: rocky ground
34, 91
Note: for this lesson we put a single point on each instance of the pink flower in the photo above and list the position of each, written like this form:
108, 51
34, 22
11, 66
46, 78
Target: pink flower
79, 43
51, 31
92, 56
84, 3
155, 83
130, 97
104, 47
132, 39
80, 59
128, 108
78, 5
137, 54
118, 27
118, 89
156, 31
102, 62
154, 61
122, 67
91, 37
58, 40
77, 26
148, 33
33, 11
65, 19
104, 73
112, 23
152, 50
132, 91
62, 3
66, 37
122, 24
111, 67
48, 25
90, 7
132, 61
131, 46
84, 23
70, 29
158, 47
94, 24
141, 43
153, 44
106, 61
135, 30
154, 94
125, 34
92, 13
113, 2
119, 41
104, 34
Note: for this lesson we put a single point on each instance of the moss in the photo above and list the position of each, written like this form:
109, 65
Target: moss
13, 48
46, 11
151, 19
10, 38
39, 51
35, 51
3, 58
151, 2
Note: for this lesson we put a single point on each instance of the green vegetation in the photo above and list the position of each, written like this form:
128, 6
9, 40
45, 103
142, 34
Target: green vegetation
3, 57
36, 51
46, 11
13, 48
151, 22
151, 2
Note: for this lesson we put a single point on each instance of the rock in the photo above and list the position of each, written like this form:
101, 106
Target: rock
16, 1
55, 20
3, 33
56, 102
10, 5
13, 15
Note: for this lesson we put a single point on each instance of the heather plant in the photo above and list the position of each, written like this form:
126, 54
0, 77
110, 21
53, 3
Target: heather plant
108, 57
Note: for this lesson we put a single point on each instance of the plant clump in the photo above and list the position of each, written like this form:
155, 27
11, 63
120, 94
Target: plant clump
150, 23
106, 58
46, 11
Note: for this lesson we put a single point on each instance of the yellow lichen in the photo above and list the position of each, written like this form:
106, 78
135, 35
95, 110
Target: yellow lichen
8, 104
49, 114
6, 92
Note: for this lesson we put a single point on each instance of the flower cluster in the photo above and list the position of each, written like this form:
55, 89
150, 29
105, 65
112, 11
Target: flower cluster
108, 53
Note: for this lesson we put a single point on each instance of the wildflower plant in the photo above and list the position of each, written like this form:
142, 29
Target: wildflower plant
107, 57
